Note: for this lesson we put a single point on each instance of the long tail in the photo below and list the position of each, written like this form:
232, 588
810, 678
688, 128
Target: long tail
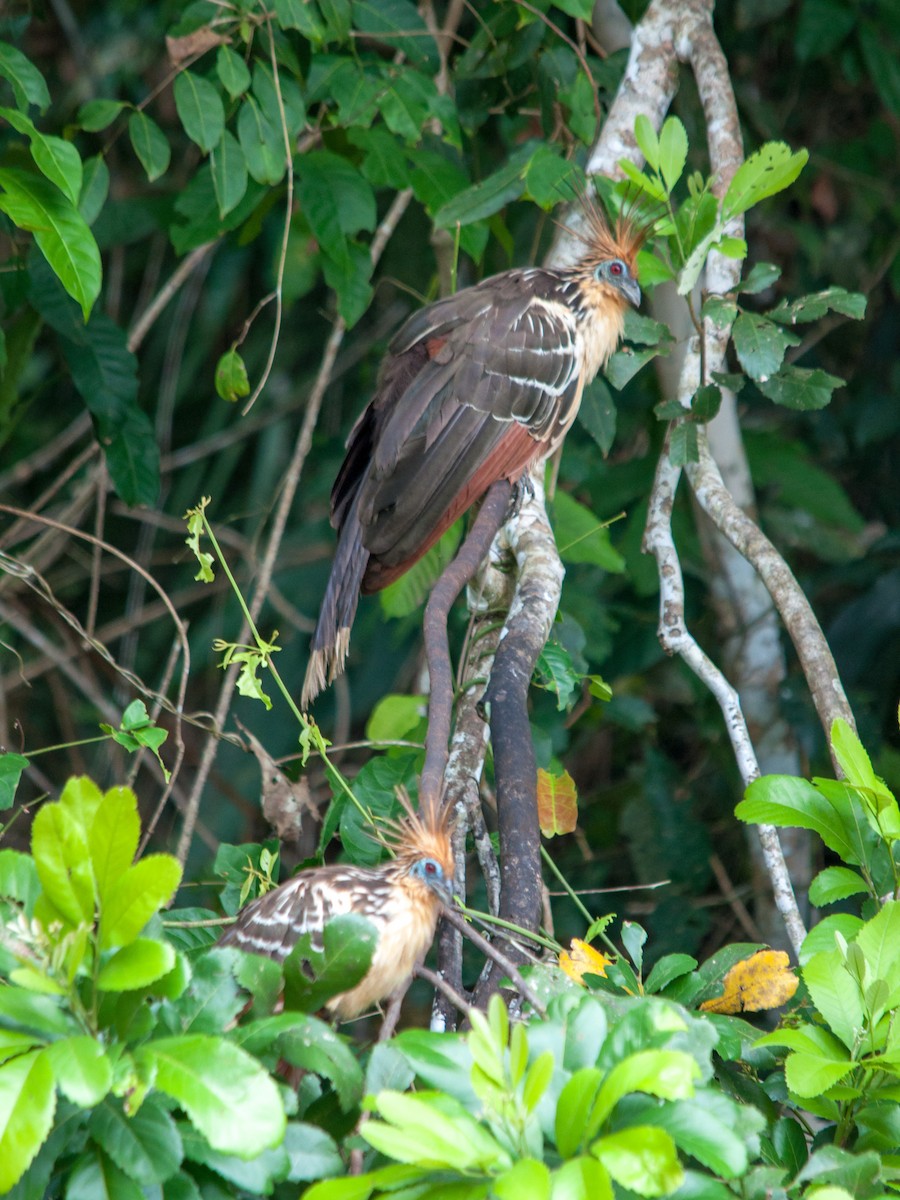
331, 641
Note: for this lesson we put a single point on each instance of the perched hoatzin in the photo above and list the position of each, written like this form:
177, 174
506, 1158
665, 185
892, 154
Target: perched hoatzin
402, 898
474, 389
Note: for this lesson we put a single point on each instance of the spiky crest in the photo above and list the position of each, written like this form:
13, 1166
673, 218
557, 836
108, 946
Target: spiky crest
419, 835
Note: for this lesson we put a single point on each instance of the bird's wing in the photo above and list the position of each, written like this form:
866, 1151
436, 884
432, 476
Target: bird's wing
272, 924
476, 386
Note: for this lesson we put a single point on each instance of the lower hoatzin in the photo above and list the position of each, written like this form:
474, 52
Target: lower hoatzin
402, 898
474, 389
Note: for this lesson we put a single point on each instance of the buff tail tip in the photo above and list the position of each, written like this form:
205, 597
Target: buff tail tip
325, 664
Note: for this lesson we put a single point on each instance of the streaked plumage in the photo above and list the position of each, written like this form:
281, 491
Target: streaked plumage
474, 388
402, 898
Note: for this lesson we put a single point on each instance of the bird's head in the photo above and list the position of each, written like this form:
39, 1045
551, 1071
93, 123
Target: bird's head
608, 264
422, 845
430, 872
617, 274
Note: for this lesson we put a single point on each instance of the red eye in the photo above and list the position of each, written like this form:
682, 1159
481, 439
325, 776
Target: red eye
616, 268
430, 868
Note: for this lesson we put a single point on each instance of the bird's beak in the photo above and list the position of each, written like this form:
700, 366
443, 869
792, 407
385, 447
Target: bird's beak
444, 890
632, 290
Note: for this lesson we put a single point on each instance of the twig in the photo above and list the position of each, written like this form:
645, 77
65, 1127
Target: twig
437, 647
507, 966
440, 984
144, 323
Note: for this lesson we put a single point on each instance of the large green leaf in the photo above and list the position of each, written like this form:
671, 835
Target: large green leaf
397, 23
771, 169
56, 158
24, 78
11, 768
135, 897
27, 1104
305, 1041
61, 233
835, 994
786, 800
799, 388
59, 845
200, 109
82, 1070
136, 965
229, 172
349, 943
668, 1074
225, 1093
642, 1158
488, 196
113, 838
150, 145
146, 1145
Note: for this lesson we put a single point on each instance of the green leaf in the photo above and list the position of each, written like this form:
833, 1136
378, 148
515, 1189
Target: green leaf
233, 72
349, 277
55, 158
94, 188
581, 537
302, 16
113, 838
816, 305
668, 1074
673, 148
231, 377
27, 1105
337, 18
597, 414
423, 1132
879, 54
24, 78
821, 27
136, 965
95, 1175
61, 233
11, 768
786, 800
684, 446
878, 940
487, 197
667, 969
229, 172
835, 994
60, 849
549, 177
771, 169
706, 402
227, 1096
556, 672
582, 1179
648, 143
393, 717
200, 109
349, 942
810, 1075
137, 896
798, 388
642, 1158
24, 1010
760, 345
335, 199
398, 24
580, 9
304, 1041
625, 363
527, 1178
149, 144
98, 115
537, 1079
81, 1068
19, 878
573, 1108
836, 883
145, 1145
262, 144
761, 276
710, 1129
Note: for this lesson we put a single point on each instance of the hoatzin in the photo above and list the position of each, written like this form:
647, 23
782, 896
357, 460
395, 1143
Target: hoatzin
474, 389
402, 898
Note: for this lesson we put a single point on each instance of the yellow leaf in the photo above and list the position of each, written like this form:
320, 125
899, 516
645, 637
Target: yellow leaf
583, 960
764, 980
557, 801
